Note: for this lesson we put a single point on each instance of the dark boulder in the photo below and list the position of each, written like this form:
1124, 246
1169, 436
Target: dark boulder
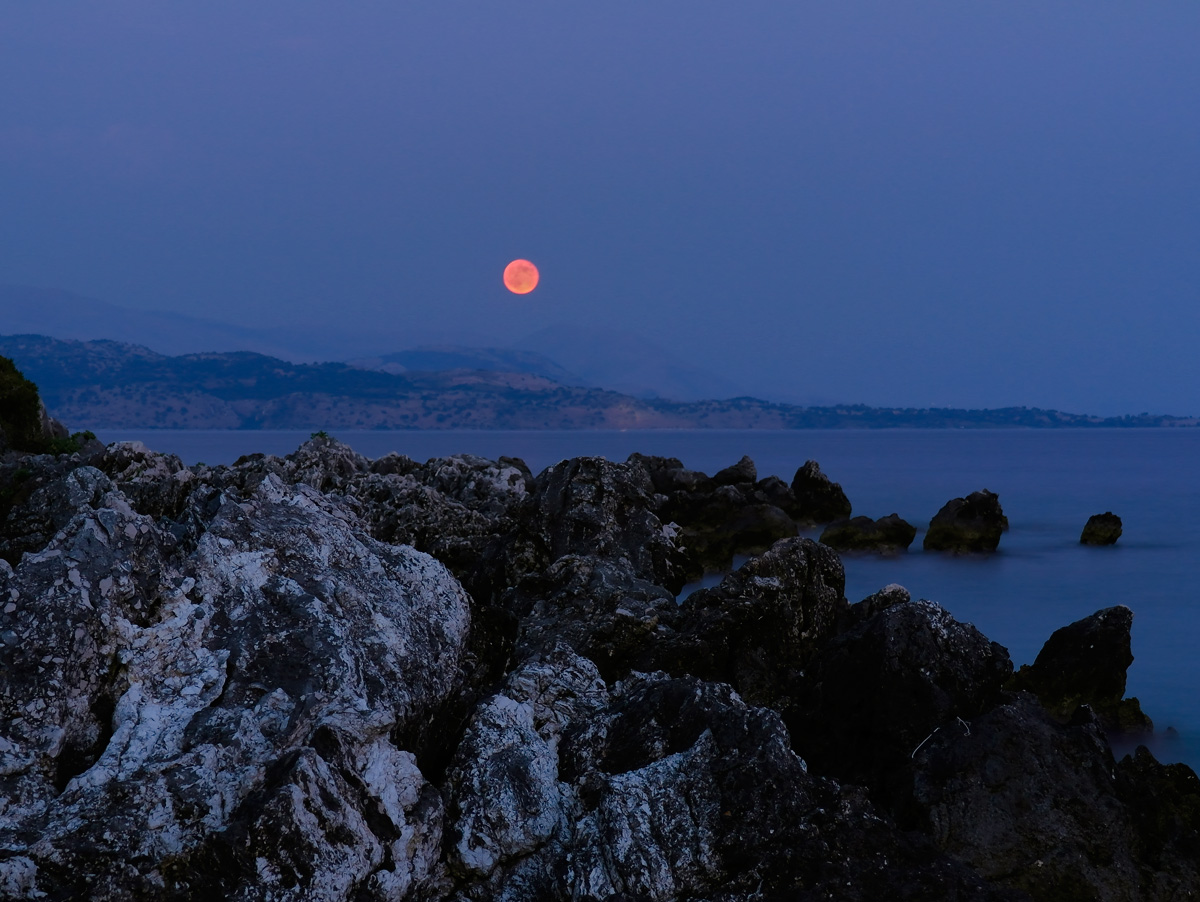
1085, 664
1040, 806
1101, 529
817, 499
1164, 804
716, 527
722, 516
741, 472
393, 464
967, 524
403, 511
761, 626
592, 506
669, 475
875, 693
490, 487
887, 535
887, 597
594, 607
774, 491
1031, 804
455, 508
688, 793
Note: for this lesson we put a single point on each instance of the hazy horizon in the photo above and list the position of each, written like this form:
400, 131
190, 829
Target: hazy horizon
935, 206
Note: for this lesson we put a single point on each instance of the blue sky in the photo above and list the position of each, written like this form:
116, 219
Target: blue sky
930, 203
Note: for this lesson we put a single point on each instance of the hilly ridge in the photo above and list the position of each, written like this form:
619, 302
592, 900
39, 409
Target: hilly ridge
108, 384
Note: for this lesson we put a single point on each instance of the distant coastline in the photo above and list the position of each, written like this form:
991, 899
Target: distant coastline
110, 385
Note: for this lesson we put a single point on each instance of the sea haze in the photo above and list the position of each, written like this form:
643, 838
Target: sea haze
1049, 482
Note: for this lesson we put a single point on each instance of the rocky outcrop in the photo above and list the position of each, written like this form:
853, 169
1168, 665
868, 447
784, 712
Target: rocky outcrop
817, 499
1084, 664
663, 788
225, 717
1101, 529
887, 535
970, 524
245, 682
728, 514
874, 693
762, 625
1043, 808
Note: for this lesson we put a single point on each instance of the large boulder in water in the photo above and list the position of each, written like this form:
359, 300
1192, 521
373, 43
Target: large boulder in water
1101, 529
817, 499
1085, 663
887, 535
967, 524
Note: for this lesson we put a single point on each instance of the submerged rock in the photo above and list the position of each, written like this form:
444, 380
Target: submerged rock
967, 524
887, 535
1101, 529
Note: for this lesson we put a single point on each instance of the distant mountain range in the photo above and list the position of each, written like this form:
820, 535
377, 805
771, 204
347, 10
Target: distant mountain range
452, 357
114, 385
571, 355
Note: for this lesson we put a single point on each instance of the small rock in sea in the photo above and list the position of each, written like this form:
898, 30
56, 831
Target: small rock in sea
1101, 529
818, 500
967, 524
887, 535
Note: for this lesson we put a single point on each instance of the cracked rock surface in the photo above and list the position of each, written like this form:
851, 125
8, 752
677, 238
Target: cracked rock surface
322, 677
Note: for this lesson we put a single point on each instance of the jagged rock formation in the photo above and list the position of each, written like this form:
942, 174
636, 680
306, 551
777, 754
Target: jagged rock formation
1101, 529
817, 499
1084, 664
887, 535
246, 682
733, 512
968, 524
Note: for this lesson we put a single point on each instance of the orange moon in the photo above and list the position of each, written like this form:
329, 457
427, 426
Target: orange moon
520, 277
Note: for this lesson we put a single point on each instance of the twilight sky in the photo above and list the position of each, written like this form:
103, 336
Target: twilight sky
928, 203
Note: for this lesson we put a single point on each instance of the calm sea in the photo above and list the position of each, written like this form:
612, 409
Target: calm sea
1049, 482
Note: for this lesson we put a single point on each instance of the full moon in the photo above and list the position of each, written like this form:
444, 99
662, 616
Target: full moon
520, 277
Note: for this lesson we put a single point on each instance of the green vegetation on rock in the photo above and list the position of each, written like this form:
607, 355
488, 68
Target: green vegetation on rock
22, 419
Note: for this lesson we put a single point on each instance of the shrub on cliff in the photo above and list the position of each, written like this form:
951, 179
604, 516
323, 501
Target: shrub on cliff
20, 409
23, 420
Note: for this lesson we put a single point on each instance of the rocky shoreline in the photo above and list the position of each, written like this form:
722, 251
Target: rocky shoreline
323, 677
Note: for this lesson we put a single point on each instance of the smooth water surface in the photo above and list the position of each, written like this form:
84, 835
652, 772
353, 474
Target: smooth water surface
1049, 483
